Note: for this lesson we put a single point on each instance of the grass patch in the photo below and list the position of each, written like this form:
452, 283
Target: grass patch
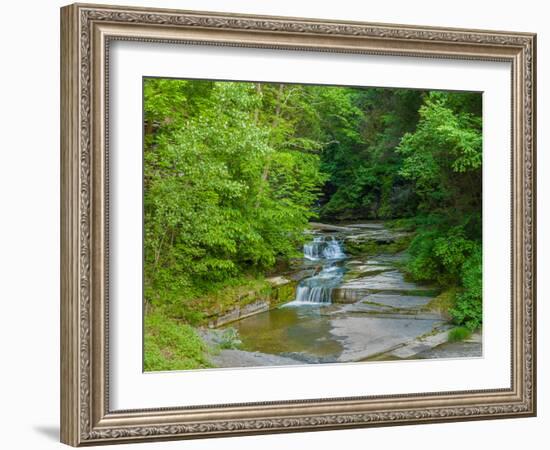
459, 334
172, 345
229, 339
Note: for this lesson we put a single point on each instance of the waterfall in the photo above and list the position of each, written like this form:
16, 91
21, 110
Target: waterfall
333, 250
320, 248
318, 288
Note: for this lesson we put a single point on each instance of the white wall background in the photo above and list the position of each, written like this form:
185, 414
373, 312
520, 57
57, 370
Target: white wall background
29, 225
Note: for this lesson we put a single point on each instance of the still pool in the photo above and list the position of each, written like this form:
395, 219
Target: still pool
299, 331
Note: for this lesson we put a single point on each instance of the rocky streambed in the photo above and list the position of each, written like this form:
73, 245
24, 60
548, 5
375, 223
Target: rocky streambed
352, 304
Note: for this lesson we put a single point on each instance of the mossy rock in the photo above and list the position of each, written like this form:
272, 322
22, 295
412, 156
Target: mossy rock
356, 247
443, 302
373, 246
283, 293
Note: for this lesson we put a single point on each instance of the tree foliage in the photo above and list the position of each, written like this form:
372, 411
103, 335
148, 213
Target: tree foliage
365, 181
233, 172
443, 158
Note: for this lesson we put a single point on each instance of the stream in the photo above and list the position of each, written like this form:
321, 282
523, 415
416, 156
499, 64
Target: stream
350, 308
317, 289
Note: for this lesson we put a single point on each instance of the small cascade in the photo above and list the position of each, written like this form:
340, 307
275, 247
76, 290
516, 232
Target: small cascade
318, 288
321, 248
333, 250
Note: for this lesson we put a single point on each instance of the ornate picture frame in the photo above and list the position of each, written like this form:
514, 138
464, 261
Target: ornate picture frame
87, 31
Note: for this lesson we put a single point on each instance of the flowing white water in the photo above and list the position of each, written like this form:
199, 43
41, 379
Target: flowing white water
318, 288
321, 248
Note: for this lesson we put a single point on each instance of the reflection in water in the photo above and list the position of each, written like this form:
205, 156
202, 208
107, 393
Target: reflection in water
289, 331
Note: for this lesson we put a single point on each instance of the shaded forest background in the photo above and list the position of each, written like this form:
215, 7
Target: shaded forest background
234, 171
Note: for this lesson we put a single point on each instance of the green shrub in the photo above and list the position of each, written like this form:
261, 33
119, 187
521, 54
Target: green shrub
468, 310
229, 339
459, 334
439, 255
422, 265
170, 345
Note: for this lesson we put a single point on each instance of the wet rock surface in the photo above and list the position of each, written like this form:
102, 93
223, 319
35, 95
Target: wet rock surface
364, 337
408, 302
386, 281
370, 313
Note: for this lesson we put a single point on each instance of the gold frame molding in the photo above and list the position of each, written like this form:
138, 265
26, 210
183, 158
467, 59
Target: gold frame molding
86, 31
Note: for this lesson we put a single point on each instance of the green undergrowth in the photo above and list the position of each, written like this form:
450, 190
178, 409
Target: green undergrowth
172, 345
468, 309
451, 257
459, 334
172, 341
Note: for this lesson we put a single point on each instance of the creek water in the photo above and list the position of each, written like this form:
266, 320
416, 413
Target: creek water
348, 309
300, 328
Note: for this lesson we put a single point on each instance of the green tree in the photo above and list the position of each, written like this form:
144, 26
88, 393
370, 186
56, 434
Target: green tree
443, 159
364, 166
230, 176
233, 172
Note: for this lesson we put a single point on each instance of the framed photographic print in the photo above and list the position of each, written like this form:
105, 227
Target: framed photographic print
274, 224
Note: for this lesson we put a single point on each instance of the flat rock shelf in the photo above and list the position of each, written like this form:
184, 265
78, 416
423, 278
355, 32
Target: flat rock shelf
352, 307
